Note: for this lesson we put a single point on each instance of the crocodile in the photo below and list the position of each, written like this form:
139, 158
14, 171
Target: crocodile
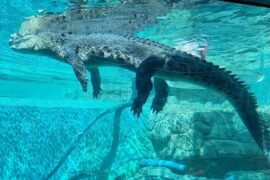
88, 38
148, 59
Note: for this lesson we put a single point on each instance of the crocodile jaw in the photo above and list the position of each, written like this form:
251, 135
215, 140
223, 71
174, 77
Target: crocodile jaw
19, 42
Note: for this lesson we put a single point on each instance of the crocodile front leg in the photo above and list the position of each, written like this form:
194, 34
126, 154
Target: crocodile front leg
160, 99
79, 70
143, 81
96, 81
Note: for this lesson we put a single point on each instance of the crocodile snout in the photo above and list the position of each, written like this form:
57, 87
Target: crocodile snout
13, 40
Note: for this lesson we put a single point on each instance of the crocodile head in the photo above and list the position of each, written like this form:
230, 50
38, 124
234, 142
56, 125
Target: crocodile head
30, 36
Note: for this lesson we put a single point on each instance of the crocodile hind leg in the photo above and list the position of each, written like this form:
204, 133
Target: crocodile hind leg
143, 81
160, 99
96, 81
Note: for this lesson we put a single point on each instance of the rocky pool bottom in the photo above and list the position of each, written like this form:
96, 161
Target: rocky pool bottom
206, 136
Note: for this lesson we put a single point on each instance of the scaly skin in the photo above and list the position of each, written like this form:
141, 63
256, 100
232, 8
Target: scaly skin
126, 18
147, 59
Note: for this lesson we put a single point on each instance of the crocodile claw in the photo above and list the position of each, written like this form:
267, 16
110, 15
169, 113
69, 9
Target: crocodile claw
157, 105
96, 93
136, 108
155, 110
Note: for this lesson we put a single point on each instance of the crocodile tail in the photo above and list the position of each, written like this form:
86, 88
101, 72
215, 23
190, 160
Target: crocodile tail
209, 75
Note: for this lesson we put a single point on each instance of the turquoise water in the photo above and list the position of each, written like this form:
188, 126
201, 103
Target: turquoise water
44, 115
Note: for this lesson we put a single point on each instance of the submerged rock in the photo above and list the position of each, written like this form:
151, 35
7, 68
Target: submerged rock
248, 175
210, 139
160, 173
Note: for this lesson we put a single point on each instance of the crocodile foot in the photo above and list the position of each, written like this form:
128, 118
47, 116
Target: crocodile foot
136, 107
96, 93
157, 105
